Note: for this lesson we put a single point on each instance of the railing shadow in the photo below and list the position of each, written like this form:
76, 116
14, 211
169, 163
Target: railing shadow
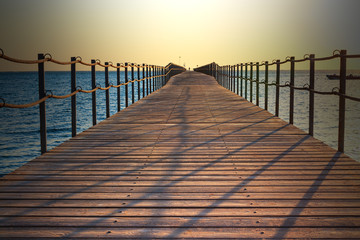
299, 208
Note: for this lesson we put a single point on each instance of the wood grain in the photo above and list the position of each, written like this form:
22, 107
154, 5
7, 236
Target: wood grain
191, 160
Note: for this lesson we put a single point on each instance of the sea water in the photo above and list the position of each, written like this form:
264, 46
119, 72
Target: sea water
19, 128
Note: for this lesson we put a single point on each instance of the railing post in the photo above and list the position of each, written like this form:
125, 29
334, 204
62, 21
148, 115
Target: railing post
156, 74
42, 106
154, 78
237, 79
342, 91
147, 80
251, 82
257, 84
138, 83
127, 86
222, 75
163, 76
73, 98
246, 80
225, 76
311, 94
158, 77
223, 80
292, 83
234, 78
277, 98
132, 84
118, 89
241, 80
107, 95
93, 85
143, 76
150, 79
266, 84
228, 77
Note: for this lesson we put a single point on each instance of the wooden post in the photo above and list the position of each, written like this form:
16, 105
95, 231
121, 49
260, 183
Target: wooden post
311, 94
277, 98
342, 90
73, 98
237, 79
246, 81
42, 106
118, 89
226, 77
127, 86
241, 80
132, 84
150, 79
154, 79
138, 83
266, 84
229, 77
107, 95
143, 76
234, 78
163, 76
93, 85
251, 82
147, 80
222, 76
257, 84
292, 83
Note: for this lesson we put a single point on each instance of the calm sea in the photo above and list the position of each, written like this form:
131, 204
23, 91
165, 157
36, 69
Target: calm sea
19, 128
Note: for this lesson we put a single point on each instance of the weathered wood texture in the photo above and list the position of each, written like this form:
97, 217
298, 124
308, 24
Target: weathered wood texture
192, 160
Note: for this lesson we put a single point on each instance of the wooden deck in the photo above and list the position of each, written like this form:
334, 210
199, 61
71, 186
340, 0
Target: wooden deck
192, 160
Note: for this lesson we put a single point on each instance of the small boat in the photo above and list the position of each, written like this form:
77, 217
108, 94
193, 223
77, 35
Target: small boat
336, 77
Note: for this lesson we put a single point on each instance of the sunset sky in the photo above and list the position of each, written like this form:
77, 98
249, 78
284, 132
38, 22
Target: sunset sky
161, 31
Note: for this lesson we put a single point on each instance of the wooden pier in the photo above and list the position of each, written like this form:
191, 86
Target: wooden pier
191, 160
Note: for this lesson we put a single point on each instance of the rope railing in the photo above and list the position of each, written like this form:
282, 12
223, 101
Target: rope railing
32, 104
153, 78
296, 88
48, 58
237, 78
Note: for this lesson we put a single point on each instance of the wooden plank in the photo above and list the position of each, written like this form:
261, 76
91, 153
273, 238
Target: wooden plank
182, 181
195, 233
173, 222
181, 203
172, 188
181, 196
155, 212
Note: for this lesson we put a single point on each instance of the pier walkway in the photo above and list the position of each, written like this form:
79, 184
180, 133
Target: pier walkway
191, 160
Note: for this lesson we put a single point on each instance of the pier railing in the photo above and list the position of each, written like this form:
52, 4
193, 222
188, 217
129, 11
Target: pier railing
152, 78
239, 78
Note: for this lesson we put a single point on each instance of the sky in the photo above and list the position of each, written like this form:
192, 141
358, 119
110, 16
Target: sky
190, 32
